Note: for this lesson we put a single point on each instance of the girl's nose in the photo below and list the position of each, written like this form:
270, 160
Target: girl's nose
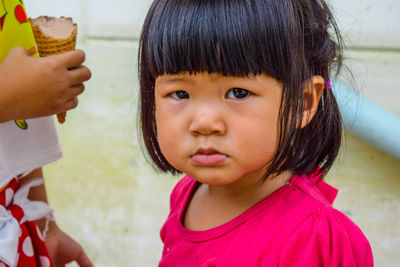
207, 120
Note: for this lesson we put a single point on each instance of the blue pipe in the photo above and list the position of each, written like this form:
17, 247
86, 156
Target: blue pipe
368, 121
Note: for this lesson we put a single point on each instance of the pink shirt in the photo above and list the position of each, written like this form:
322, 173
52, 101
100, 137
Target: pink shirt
294, 226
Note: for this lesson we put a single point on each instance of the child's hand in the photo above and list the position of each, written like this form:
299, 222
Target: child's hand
63, 249
35, 87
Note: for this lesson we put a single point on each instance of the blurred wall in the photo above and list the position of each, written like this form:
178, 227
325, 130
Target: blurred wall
97, 19
369, 23
366, 23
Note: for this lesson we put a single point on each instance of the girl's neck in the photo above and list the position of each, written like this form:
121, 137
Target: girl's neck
247, 189
214, 205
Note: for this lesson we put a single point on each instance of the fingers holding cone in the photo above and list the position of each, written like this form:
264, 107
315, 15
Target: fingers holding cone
55, 36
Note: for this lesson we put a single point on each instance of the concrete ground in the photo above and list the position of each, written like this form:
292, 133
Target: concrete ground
105, 195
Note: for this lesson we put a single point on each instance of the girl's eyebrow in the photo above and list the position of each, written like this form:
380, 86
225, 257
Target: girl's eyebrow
172, 79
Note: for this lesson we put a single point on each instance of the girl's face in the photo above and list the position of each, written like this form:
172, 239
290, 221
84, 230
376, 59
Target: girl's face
218, 129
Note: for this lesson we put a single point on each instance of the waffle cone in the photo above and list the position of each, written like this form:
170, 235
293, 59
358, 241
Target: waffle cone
48, 46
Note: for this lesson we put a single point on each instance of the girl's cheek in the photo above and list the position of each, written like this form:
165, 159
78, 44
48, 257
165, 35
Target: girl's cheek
170, 150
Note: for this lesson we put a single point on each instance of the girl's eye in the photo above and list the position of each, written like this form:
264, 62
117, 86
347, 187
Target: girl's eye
179, 94
237, 93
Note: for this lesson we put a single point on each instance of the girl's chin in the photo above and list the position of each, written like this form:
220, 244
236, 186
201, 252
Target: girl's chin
212, 177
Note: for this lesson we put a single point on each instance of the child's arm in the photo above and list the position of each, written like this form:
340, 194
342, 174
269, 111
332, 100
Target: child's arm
62, 248
34, 87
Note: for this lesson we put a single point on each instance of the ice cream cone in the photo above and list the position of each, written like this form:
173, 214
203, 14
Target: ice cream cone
49, 44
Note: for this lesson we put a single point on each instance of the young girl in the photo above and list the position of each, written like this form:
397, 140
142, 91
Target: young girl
236, 94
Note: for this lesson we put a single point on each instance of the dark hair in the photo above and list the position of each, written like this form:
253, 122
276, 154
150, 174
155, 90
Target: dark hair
290, 40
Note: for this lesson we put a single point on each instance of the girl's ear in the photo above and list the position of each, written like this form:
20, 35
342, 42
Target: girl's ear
314, 87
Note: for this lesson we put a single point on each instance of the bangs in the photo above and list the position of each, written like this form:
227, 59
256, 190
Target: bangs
230, 37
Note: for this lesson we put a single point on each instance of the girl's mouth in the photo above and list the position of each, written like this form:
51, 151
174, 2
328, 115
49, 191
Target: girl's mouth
208, 157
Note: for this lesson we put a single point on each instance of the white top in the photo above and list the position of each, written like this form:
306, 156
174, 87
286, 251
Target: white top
23, 150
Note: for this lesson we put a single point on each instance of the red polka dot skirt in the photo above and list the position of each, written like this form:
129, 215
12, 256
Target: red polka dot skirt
32, 250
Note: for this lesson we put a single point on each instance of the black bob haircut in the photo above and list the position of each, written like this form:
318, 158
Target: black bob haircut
290, 40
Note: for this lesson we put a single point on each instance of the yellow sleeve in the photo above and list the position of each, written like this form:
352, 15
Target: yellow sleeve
15, 28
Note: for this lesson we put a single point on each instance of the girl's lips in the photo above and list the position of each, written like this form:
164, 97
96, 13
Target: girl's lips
209, 159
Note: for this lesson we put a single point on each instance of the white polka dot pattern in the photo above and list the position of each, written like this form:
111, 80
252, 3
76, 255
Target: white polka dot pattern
27, 247
44, 261
9, 195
